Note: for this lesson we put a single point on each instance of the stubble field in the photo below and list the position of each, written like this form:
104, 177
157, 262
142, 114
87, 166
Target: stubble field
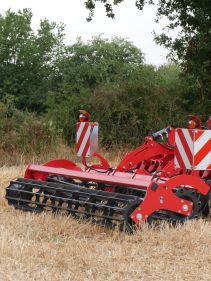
46, 247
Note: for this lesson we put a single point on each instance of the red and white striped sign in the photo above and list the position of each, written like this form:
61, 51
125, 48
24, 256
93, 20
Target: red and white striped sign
193, 149
86, 138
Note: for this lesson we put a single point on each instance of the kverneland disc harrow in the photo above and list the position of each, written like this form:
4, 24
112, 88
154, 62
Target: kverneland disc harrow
167, 178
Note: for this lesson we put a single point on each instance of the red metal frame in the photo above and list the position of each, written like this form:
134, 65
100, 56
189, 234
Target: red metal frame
41, 172
152, 201
148, 152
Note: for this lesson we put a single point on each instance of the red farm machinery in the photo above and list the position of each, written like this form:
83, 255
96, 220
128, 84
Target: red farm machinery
167, 178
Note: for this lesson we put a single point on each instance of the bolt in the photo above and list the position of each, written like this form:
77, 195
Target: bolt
185, 208
139, 217
139, 208
161, 199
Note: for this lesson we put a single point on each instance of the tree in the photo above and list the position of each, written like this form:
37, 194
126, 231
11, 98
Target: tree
101, 76
192, 16
191, 47
109, 79
27, 59
99, 61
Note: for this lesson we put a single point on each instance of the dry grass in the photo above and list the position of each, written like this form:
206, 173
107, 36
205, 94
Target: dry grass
16, 158
47, 247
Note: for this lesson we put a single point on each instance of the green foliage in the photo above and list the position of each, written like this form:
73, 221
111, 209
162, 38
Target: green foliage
192, 46
27, 59
90, 5
98, 61
191, 19
44, 83
110, 79
93, 76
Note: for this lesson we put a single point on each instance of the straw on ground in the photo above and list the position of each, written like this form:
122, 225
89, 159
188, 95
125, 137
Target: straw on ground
47, 247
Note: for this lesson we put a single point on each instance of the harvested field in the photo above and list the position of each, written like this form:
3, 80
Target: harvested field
47, 247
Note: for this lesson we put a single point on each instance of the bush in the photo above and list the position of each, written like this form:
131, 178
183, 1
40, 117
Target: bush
24, 132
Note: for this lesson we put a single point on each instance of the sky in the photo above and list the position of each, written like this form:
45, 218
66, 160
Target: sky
130, 23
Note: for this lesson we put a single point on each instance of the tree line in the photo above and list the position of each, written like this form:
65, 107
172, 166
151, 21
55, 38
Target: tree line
44, 82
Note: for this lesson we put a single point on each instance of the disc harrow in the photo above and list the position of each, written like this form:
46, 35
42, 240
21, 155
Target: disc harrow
162, 180
101, 207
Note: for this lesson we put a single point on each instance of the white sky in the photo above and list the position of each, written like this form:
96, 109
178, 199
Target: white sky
130, 23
